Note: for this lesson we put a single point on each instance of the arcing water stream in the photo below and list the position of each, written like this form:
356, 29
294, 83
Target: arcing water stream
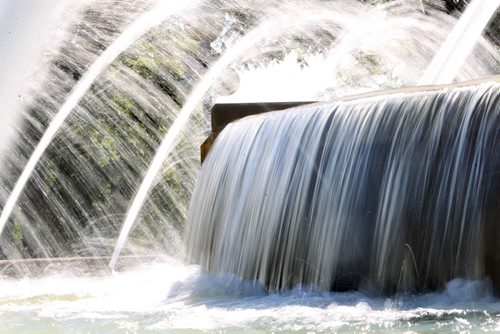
277, 26
344, 33
147, 20
455, 55
447, 62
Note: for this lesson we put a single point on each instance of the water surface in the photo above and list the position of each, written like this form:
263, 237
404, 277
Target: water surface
174, 297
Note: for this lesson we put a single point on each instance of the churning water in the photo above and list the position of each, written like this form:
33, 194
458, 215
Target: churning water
129, 91
173, 297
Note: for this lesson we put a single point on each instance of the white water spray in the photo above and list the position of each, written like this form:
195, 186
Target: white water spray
449, 59
197, 94
143, 24
267, 29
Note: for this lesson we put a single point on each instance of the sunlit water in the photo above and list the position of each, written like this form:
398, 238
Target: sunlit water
132, 33
449, 59
171, 296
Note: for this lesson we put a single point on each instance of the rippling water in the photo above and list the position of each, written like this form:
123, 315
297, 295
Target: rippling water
174, 297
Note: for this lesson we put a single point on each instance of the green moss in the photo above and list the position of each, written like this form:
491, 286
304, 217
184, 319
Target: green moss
124, 103
17, 234
173, 181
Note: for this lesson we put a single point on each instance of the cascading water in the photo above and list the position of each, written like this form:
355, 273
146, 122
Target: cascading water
78, 193
339, 195
305, 19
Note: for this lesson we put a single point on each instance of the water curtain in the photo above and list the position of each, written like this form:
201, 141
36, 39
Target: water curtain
394, 191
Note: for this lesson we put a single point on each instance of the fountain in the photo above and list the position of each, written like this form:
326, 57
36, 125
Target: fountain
252, 38
119, 118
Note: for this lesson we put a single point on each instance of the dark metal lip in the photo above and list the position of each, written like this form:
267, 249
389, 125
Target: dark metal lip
227, 112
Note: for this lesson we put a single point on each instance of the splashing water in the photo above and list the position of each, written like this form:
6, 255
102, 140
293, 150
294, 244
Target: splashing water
447, 62
143, 24
167, 297
194, 99
361, 48
373, 27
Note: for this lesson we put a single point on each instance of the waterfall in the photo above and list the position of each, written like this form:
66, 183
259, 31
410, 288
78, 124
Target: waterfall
304, 18
395, 192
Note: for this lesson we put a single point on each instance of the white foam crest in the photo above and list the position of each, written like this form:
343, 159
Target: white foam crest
143, 287
308, 310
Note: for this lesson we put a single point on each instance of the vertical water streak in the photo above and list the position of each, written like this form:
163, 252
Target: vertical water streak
452, 141
390, 191
143, 24
447, 62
